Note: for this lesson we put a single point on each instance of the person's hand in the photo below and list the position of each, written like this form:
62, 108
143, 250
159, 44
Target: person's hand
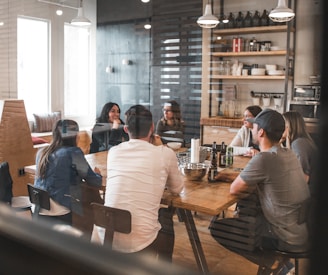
156, 140
116, 123
251, 152
97, 170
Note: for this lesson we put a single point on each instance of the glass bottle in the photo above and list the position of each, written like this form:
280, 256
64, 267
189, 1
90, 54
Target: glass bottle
248, 20
264, 20
252, 45
213, 171
221, 67
231, 23
256, 19
222, 155
229, 156
239, 20
227, 67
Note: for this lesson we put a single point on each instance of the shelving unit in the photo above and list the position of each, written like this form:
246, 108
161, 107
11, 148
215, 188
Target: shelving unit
236, 54
287, 52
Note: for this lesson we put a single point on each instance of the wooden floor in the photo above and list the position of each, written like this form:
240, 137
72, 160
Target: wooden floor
220, 260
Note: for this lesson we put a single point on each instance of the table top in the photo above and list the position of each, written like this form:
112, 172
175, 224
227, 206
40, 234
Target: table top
200, 196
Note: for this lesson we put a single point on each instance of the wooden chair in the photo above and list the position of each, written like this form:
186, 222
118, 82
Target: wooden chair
40, 198
112, 219
18, 203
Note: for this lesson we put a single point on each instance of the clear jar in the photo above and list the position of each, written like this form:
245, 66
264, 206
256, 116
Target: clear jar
227, 67
221, 70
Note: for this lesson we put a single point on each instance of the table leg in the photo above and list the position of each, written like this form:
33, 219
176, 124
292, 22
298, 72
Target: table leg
187, 218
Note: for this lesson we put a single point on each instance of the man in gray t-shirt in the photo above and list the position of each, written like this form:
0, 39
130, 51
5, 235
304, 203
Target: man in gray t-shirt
276, 178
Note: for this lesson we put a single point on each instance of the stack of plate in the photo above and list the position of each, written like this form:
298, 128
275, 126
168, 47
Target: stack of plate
258, 71
276, 72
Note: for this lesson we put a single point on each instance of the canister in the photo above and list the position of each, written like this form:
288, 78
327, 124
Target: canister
237, 44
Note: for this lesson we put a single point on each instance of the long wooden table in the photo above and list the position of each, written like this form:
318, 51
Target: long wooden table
198, 196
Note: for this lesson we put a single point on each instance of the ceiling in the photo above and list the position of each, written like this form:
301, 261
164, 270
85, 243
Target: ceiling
121, 10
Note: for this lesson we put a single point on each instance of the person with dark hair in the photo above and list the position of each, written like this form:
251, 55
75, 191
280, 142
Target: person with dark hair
108, 130
137, 174
299, 140
274, 177
242, 142
171, 126
61, 168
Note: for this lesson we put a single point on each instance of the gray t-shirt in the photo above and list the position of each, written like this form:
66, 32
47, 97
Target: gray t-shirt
307, 154
279, 180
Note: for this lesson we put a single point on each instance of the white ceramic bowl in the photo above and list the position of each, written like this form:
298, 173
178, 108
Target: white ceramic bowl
258, 71
174, 145
271, 67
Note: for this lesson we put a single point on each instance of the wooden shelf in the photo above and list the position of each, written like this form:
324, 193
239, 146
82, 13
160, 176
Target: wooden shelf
250, 30
250, 77
260, 53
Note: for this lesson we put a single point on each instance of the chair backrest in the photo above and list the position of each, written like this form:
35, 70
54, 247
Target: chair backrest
112, 219
6, 183
39, 197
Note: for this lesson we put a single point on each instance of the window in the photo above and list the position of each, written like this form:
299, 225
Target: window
76, 72
33, 64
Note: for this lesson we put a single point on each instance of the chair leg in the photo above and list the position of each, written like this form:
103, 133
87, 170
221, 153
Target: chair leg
296, 266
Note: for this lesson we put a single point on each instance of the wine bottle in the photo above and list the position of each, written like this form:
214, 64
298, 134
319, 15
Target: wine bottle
213, 171
239, 20
231, 23
264, 20
222, 155
248, 20
256, 19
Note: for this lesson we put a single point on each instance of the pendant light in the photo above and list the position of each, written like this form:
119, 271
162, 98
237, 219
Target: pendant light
208, 20
281, 13
80, 20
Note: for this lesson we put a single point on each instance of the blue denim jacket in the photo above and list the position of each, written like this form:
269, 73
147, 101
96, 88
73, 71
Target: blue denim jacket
67, 169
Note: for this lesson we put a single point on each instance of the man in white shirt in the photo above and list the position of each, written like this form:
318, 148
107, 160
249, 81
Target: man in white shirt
137, 174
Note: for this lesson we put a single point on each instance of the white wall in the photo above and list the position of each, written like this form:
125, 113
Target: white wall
9, 10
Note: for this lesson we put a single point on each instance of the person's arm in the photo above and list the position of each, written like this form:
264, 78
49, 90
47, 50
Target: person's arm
237, 140
301, 150
117, 134
238, 187
159, 128
174, 181
247, 180
84, 170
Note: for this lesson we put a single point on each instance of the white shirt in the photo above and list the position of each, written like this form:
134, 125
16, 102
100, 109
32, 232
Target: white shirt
137, 173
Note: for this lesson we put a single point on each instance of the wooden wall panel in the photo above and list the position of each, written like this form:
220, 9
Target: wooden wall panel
16, 145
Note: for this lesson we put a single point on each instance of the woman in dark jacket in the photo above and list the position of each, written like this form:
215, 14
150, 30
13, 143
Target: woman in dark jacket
108, 130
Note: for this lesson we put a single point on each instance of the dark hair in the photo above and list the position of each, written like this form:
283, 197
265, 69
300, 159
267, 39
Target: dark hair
175, 108
138, 121
254, 110
63, 134
104, 117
